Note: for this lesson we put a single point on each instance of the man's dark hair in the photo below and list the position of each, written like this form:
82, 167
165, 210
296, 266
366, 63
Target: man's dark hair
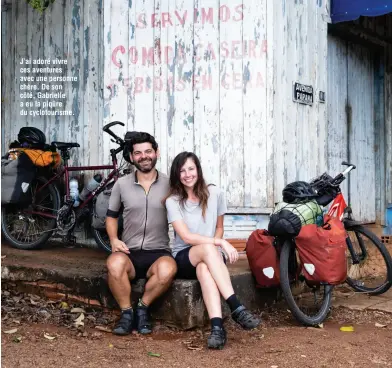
142, 137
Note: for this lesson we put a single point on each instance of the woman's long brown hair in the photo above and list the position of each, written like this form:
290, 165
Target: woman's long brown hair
177, 188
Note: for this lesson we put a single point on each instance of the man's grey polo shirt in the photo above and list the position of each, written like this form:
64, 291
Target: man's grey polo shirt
145, 218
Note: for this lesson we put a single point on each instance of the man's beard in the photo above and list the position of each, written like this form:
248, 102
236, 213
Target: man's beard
146, 169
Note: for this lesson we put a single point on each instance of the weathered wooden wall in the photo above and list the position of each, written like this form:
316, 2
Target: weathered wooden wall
216, 77
210, 76
71, 30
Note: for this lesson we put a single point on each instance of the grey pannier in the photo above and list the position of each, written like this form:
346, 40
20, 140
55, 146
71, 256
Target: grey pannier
16, 177
101, 207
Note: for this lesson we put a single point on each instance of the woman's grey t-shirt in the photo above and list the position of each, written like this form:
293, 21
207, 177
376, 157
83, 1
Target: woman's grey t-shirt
191, 213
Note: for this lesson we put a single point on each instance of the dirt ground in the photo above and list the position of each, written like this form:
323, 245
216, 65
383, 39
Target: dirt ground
53, 334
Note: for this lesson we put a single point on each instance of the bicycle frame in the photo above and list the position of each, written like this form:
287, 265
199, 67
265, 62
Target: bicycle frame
66, 170
337, 208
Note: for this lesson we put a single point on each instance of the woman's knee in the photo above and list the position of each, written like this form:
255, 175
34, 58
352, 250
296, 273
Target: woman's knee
209, 250
202, 271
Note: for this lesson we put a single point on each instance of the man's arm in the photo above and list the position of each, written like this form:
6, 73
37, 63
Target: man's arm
112, 221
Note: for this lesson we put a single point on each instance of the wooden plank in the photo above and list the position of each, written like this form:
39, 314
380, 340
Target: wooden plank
282, 88
21, 51
231, 108
207, 138
270, 108
320, 116
161, 99
144, 67
35, 49
255, 103
54, 49
361, 132
183, 77
169, 93
91, 64
157, 83
109, 54
8, 79
119, 71
336, 101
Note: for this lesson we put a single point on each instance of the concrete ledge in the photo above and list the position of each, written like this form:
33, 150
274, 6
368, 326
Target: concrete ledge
79, 275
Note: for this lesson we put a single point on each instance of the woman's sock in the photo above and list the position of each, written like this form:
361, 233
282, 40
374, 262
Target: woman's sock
233, 302
216, 321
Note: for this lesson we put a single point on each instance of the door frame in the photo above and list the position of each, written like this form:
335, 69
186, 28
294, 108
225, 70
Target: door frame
350, 32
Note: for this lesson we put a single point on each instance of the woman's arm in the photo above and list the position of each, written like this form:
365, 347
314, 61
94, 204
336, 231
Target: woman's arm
219, 228
182, 230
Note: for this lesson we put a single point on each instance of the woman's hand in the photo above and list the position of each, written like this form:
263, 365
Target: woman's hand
119, 246
229, 249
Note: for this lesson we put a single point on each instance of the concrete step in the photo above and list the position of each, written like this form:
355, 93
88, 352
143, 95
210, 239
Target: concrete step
78, 275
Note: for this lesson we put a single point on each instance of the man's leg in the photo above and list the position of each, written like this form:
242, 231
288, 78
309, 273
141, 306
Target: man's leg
160, 276
120, 272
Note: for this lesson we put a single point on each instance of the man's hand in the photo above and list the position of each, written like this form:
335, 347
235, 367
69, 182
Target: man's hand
119, 246
229, 249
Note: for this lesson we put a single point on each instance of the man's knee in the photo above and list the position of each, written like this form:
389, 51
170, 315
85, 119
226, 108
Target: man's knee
117, 264
166, 270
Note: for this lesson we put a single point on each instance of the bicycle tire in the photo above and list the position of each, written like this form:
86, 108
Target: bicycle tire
285, 283
102, 239
380, 289
46, 234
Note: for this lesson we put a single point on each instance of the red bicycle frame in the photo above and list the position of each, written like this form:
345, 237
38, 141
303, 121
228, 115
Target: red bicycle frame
337, 208
66, 170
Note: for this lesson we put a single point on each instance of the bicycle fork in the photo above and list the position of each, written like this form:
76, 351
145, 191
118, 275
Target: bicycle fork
356, 258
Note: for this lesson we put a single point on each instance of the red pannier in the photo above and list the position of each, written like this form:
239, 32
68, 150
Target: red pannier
322, 251
263, 258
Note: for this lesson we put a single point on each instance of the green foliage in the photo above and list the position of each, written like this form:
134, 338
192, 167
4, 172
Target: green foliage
40, 5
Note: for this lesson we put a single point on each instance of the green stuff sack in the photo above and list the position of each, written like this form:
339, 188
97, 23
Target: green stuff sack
287, 219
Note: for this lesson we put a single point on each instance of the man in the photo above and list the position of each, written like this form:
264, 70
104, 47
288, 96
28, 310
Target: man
144, 250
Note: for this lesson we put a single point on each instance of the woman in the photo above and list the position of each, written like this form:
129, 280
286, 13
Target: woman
196, 212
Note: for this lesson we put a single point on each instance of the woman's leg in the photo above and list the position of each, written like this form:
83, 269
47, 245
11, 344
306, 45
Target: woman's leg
210, 255
211, 297
210, 291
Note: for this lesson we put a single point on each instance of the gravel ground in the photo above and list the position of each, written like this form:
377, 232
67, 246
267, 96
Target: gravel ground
55, 334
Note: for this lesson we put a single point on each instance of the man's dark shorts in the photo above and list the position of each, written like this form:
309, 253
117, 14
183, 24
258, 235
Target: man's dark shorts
185, 269
143, 259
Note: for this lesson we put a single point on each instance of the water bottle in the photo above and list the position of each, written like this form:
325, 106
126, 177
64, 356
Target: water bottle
74, 191
91, 185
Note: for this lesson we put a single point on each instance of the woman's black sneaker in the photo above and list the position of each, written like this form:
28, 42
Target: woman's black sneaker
143, 321
245, 318
124, 324
217, 338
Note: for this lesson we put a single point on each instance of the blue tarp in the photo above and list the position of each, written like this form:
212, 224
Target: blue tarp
345, 10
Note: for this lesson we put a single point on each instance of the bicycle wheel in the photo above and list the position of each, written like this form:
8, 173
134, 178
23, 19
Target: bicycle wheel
310, 305
102, 239
24, 230
373, 272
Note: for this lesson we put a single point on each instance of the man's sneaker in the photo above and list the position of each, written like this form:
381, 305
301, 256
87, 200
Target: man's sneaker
124, 324
143, 321
245, 318
217, 338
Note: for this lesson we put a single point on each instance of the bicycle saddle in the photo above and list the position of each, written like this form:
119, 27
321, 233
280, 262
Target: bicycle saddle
64, 145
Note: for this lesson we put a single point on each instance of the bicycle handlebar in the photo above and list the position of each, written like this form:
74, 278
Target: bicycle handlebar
107, 127
338, 179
